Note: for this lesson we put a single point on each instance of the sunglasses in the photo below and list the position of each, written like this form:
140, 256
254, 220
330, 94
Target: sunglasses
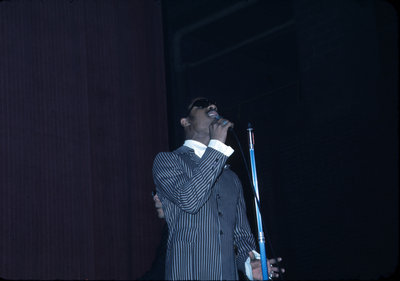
201, 103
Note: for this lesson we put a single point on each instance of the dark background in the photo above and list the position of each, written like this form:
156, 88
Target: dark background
91, 90
319, 82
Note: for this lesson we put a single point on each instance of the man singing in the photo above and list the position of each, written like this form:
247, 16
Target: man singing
209, 234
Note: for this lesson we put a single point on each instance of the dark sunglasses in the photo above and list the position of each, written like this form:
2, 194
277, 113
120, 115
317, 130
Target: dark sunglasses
201, 103
153, 193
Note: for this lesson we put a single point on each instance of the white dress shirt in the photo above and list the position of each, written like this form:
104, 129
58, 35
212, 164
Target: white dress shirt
200, 148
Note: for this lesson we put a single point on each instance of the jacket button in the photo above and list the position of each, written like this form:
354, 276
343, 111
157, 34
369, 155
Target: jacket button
220, 214
220, 232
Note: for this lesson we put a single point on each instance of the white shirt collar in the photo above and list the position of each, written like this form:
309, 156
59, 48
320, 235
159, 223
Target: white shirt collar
198, 147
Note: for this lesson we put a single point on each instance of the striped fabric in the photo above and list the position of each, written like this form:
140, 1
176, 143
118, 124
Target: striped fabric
209, 235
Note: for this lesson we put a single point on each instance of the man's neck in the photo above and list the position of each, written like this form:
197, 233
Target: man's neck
205, 139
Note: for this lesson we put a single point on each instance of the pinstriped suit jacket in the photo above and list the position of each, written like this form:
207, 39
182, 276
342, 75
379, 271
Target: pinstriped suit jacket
209, 235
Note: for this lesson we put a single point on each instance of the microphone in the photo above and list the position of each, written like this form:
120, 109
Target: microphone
218, 117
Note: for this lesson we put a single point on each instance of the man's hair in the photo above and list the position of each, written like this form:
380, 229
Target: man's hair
192, 101
191, 104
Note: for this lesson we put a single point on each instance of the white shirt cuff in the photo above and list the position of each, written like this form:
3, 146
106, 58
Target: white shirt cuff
247, 265
221, 147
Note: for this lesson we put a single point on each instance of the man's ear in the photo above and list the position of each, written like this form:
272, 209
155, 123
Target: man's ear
185, 122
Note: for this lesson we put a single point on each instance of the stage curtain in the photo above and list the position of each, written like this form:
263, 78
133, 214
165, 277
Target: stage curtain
82, 115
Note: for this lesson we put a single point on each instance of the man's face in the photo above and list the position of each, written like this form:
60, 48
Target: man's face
202, 114
158, 205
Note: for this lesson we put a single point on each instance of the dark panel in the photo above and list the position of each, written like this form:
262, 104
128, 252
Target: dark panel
82, 116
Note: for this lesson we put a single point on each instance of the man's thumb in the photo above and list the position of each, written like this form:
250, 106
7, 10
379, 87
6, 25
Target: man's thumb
251, 255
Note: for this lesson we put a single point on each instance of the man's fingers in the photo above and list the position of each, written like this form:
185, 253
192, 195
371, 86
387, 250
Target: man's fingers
227, 123
224, 122
274, 261
274, 268
275, 275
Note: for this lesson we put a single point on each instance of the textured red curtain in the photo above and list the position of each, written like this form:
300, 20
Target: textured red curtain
82, 115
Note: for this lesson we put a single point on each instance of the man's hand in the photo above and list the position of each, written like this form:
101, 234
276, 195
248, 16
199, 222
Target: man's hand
219, 129
255, 267
272, 264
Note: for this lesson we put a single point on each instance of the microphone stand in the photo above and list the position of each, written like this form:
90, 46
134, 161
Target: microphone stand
261, 238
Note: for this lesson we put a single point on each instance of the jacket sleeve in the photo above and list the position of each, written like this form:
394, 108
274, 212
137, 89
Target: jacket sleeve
243, 237
188, 192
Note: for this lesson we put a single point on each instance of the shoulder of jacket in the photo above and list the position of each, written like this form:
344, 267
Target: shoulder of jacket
183, 150
176, 154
